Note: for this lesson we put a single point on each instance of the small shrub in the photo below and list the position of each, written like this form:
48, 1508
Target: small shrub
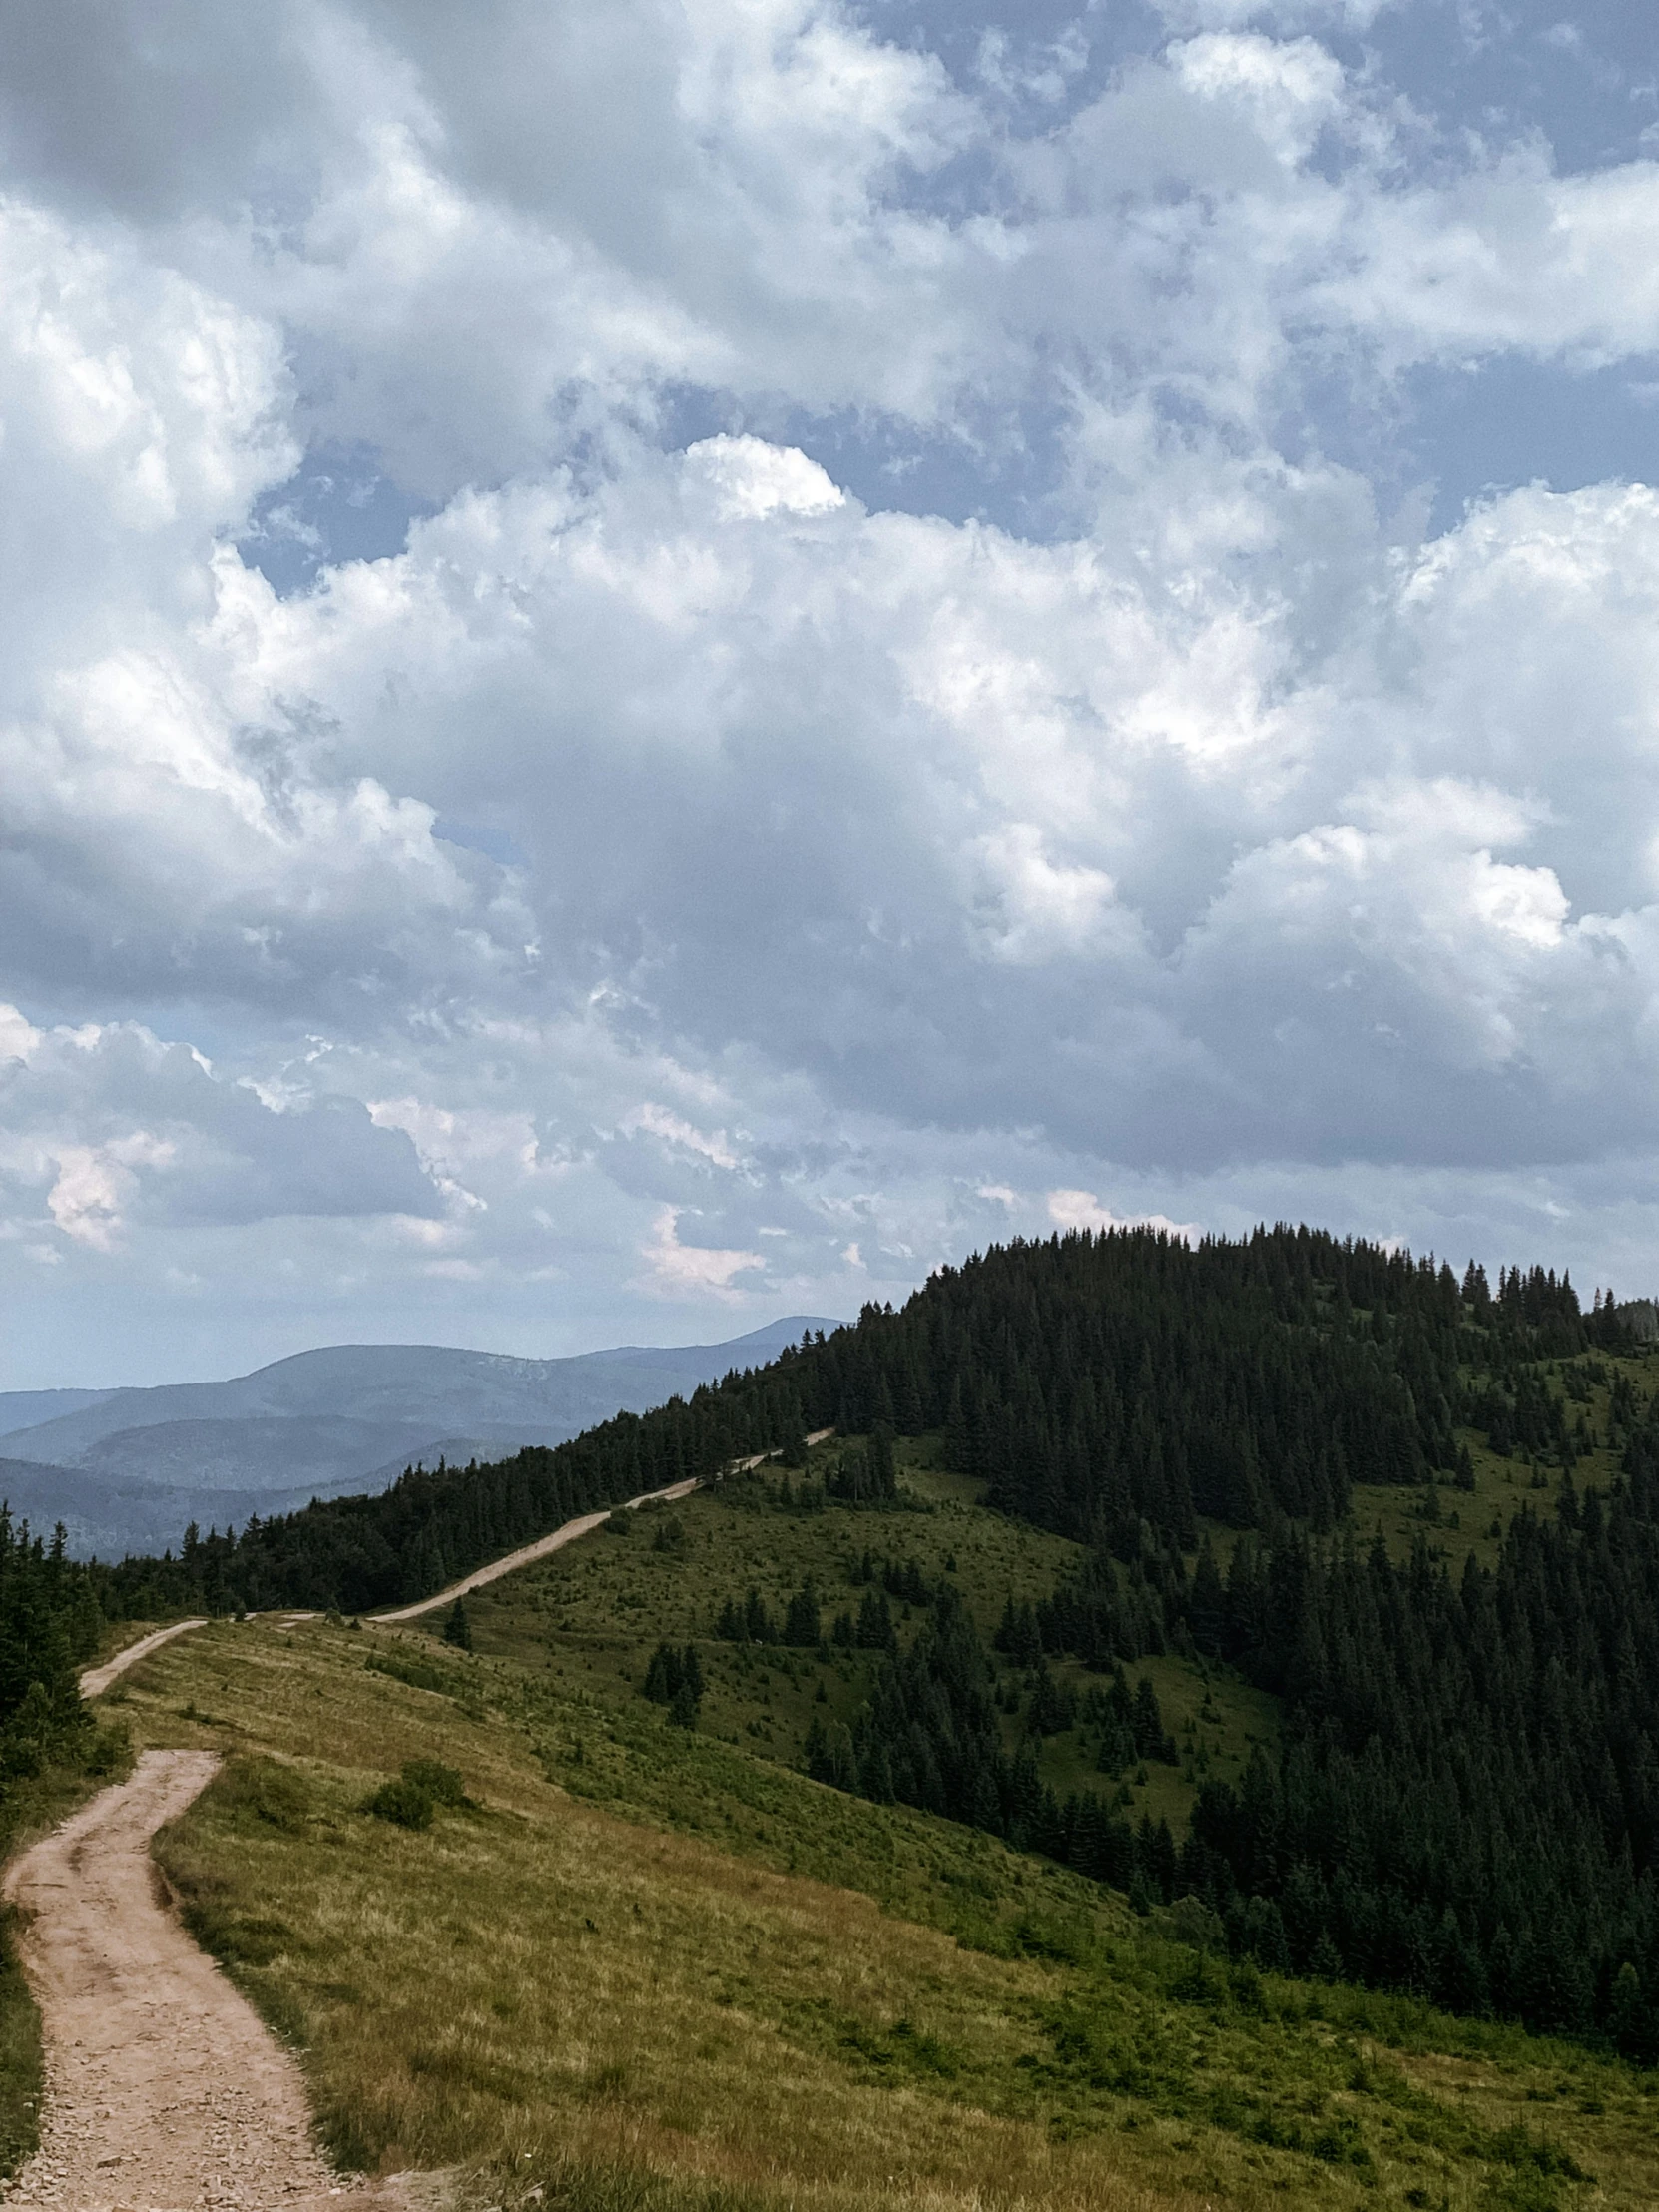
681, 1711
404, 1802
674, 1679
110, 1748
442, 1783
1246, 1989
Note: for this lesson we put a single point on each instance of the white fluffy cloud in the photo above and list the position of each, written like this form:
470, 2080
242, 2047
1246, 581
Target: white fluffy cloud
691, 871
111, 1133
1271, 15
1082, 1210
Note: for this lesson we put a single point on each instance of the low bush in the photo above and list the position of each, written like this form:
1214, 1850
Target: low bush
442, 1783
404, 1802
413, 1798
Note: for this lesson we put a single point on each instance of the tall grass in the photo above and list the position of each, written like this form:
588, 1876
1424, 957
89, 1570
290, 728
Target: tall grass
643, 1969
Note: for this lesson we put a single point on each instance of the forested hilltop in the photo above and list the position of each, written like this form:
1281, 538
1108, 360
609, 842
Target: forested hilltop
1466, 1797
1114, 1387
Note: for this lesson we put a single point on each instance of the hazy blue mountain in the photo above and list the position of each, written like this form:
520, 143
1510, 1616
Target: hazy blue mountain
109, 1519
127, 1470
27, 1408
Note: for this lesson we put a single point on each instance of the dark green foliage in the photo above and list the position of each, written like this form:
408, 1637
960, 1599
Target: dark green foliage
683, 1706
1112, 1712
830, 1754
457, 1629
903, 1578
866, 1477
50, 1622
1468, 1802
1053, 1707
412, 1800
928, 1737
801, 1617
1148, 1724
874, 1630
749, 1623
402, 1802
444, 1784
1020, 1635
674, 1679
1125, 1380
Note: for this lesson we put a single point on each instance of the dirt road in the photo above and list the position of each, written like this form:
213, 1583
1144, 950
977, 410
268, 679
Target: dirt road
97, 1680
543, 1546
164, 2088
528, 1555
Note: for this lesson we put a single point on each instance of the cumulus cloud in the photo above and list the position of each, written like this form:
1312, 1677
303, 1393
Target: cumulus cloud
1082, 1210
110, 1129
658, 1121
751, 479
913, 598
94, 1183
674, 1268
1288, 91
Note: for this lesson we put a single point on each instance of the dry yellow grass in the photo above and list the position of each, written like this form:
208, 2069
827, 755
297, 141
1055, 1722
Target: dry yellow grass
625, 2015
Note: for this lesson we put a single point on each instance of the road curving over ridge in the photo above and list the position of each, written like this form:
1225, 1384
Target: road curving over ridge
545, 1547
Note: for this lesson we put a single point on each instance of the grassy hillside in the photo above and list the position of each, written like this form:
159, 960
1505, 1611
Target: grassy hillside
589, 1618
1457, 1523
614, 1959
643, 1966
1468, 1797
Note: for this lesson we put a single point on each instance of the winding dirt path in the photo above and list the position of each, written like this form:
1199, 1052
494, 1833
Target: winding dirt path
97, 1680
164, 2088
165, 2093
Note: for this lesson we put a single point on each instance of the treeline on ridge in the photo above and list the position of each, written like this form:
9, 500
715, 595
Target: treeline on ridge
1097, 1383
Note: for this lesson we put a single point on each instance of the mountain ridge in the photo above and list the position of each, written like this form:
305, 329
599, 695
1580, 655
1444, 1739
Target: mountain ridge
127, 1470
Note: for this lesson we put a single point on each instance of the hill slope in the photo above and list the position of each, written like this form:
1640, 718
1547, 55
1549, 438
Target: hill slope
21, 1409
639, 1967
1467, 1797
1301, 1595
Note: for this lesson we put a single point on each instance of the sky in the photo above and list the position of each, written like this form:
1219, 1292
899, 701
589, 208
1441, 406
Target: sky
667, 661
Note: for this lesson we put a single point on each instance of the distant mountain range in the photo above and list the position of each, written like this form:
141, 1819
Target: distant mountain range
127, 1470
